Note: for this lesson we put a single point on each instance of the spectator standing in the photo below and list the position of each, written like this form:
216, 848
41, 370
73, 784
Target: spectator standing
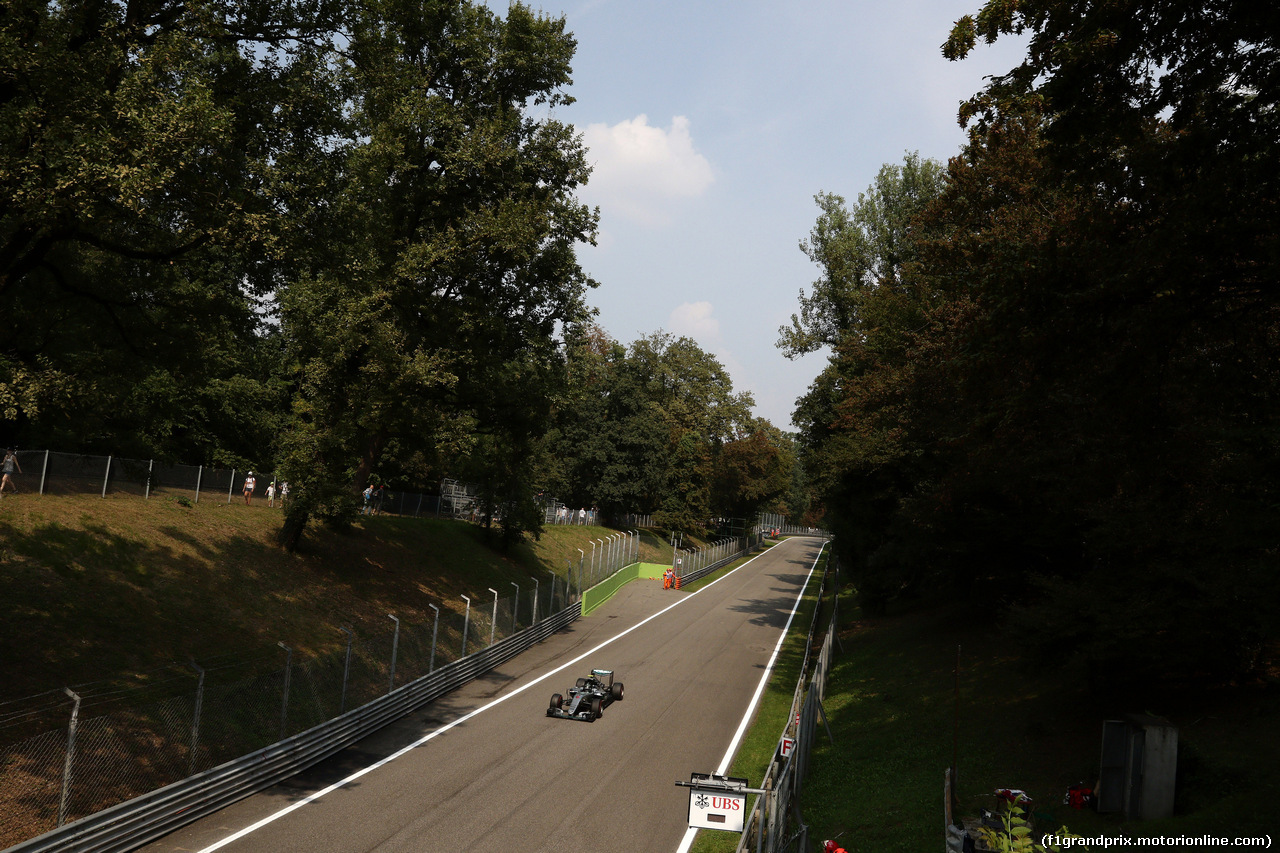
284, 492
368, 499
11, 467
249, 483
271, 494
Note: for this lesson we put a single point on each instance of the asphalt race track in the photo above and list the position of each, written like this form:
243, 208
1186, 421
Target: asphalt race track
507, 777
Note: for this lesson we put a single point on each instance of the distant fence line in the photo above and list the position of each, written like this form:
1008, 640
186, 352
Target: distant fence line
49, 472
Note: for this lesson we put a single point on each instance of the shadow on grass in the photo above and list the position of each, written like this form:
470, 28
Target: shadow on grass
892, 704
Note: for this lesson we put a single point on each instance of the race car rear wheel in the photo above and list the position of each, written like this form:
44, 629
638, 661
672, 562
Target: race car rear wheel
557, 701
616, 691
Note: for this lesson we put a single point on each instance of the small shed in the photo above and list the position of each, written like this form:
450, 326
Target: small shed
1139, 767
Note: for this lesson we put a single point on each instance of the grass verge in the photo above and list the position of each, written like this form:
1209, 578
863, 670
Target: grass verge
896, 722
761, 740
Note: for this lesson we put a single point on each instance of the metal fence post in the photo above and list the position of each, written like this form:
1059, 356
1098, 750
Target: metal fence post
493, 622
69, 758
515, 607
106, 477
150, 467
434, 631
195, 718
346, 668
199, 475
535, 599
466, 623
284, 701
395, 649
232, 485
44, 472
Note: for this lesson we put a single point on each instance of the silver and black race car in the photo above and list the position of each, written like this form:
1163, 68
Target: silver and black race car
588, 698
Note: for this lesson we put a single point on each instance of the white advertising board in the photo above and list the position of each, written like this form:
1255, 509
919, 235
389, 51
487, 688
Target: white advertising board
718, 807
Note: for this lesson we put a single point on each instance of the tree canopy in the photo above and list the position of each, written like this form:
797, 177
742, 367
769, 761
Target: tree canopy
335, 239
1074, 413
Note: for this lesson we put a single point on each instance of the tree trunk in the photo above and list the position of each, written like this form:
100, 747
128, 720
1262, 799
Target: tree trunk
290, 535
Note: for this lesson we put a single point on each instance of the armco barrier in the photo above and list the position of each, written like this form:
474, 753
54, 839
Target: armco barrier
131, 824
754, 541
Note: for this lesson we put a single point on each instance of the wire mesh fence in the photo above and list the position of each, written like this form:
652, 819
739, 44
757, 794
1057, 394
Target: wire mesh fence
49, 472
69, 753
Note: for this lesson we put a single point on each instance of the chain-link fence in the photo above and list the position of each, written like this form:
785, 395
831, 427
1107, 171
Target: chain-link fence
48, 472
72, 752
772, 521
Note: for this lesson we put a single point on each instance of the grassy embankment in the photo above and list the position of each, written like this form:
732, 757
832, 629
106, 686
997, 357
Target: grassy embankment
94, 589
896, 722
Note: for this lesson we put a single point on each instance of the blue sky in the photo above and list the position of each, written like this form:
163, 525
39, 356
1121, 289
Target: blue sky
712, 125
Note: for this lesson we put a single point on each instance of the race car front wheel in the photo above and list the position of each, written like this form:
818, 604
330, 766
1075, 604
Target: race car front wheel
557, 701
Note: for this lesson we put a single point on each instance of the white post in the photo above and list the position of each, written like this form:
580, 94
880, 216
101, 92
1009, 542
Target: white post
493, 623
395, 649
466, 622
432, 666
69, 757
105, 477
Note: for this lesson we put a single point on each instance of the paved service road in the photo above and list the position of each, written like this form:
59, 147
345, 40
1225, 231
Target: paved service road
511, 778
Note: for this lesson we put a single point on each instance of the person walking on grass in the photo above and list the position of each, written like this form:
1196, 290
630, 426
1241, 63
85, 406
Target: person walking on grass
249, 483
11, 467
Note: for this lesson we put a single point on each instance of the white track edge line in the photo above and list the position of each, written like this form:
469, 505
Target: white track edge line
687, 841
311, 798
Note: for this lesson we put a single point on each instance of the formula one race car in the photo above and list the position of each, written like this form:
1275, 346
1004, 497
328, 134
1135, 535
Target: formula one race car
588, 698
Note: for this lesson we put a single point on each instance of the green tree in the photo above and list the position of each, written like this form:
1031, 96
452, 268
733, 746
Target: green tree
1088, 404
752, 471
862, 254
869, 306
141, 146
458, 266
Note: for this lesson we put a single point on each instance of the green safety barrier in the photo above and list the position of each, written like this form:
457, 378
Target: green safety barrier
603, 591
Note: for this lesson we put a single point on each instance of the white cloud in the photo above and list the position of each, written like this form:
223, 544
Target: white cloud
695, 320
639, 170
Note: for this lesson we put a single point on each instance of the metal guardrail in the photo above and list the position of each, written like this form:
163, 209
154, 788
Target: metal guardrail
131, 824
701, 573
774, 824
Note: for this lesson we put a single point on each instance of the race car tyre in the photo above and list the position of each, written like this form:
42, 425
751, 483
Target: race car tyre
616, 691
596, 707
557, 701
